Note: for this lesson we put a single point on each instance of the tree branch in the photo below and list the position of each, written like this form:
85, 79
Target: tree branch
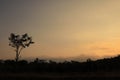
20, 51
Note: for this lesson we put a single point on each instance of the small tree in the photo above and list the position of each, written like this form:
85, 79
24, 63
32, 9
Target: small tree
19, 42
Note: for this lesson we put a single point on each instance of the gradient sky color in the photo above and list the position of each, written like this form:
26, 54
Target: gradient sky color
62, 28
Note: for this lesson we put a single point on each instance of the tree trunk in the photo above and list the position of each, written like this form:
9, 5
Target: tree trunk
17, 55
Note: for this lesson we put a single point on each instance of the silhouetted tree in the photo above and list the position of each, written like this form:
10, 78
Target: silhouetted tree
19, 42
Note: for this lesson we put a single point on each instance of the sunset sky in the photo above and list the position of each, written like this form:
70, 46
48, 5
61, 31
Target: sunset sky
62, 28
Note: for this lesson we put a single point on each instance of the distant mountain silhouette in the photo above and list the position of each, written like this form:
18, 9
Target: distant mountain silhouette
80, 58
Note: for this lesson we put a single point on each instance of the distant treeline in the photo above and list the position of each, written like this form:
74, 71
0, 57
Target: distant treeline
39, 66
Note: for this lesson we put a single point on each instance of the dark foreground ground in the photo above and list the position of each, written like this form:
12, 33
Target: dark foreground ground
106, 69
60, 76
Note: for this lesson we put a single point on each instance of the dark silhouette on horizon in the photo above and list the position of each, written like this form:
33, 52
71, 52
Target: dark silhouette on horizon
67, 70
19, 42
102, 65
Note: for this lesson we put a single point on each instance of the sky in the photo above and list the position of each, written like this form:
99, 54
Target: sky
62, 28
